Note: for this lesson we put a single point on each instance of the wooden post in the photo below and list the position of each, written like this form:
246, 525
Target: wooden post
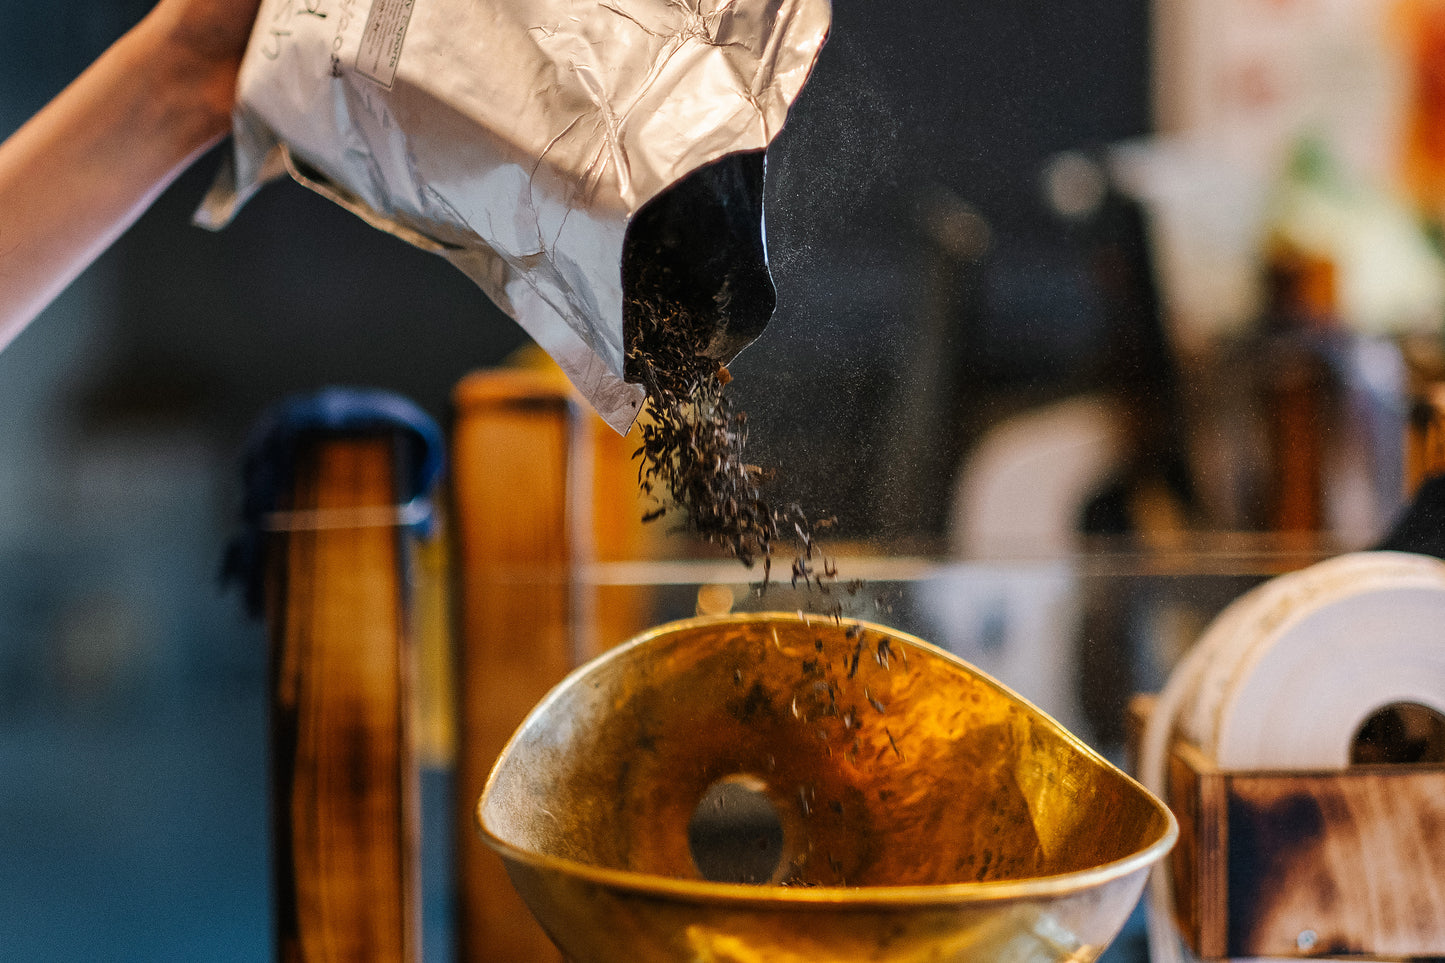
515, 449
345, 794
541, 489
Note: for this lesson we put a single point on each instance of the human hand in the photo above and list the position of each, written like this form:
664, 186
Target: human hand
108, 144
213, 30
209, 37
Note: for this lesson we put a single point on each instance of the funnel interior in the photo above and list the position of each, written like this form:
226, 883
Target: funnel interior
847, 755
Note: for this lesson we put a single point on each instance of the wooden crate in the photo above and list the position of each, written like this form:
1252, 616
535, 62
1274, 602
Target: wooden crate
1308, 864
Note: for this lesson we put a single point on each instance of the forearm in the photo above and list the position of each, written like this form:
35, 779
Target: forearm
84, 168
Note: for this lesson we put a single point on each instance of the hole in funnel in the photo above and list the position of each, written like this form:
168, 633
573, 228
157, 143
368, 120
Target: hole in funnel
736, 834
1402, 732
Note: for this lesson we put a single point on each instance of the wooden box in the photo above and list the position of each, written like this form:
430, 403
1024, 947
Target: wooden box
1308, 864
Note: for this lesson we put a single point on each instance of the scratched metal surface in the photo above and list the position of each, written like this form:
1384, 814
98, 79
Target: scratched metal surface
924, 811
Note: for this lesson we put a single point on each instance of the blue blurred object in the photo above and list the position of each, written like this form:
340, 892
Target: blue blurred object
271, 451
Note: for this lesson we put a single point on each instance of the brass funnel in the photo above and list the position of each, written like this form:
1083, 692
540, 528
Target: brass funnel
893, 803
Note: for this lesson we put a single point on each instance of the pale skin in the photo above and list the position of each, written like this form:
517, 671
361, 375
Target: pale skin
81, 171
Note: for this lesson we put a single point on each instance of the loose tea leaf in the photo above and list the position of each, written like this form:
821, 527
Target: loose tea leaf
692, 454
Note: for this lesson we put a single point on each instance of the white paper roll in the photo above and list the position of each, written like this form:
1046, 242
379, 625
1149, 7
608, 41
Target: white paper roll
1285, 636
1287, 674
1307, 687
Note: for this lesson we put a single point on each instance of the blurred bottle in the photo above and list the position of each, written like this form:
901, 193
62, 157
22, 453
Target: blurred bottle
1151, 494
1296, 386
1347, 276
1422, 24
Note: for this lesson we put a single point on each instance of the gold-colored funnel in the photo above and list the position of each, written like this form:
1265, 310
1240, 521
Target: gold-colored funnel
891, 802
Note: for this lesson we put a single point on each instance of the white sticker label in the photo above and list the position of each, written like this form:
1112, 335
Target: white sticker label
381, 43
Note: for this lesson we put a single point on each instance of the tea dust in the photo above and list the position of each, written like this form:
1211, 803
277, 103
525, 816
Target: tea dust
692, 458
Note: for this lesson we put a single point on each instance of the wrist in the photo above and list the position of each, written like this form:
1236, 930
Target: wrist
195, 89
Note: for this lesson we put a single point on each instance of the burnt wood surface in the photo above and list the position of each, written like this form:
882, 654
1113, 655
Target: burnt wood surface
1309, 864
345, 796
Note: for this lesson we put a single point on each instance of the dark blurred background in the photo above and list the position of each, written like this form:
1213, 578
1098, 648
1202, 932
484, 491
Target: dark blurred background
926, 283
926, 288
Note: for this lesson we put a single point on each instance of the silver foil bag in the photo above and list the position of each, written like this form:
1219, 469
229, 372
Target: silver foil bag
521, 139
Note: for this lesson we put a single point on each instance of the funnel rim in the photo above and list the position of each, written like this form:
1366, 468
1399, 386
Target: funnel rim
742, 894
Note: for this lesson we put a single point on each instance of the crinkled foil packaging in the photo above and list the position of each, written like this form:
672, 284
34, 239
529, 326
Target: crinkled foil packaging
516, 138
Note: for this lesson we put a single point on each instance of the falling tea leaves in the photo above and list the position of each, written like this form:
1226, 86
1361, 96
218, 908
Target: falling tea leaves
692, 458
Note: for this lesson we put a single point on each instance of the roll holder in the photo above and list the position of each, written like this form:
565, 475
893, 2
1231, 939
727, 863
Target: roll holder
1305, 864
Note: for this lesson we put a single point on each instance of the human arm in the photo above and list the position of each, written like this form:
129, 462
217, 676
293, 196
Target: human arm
81, 171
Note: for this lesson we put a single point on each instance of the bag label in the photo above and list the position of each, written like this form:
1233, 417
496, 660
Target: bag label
381, 41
